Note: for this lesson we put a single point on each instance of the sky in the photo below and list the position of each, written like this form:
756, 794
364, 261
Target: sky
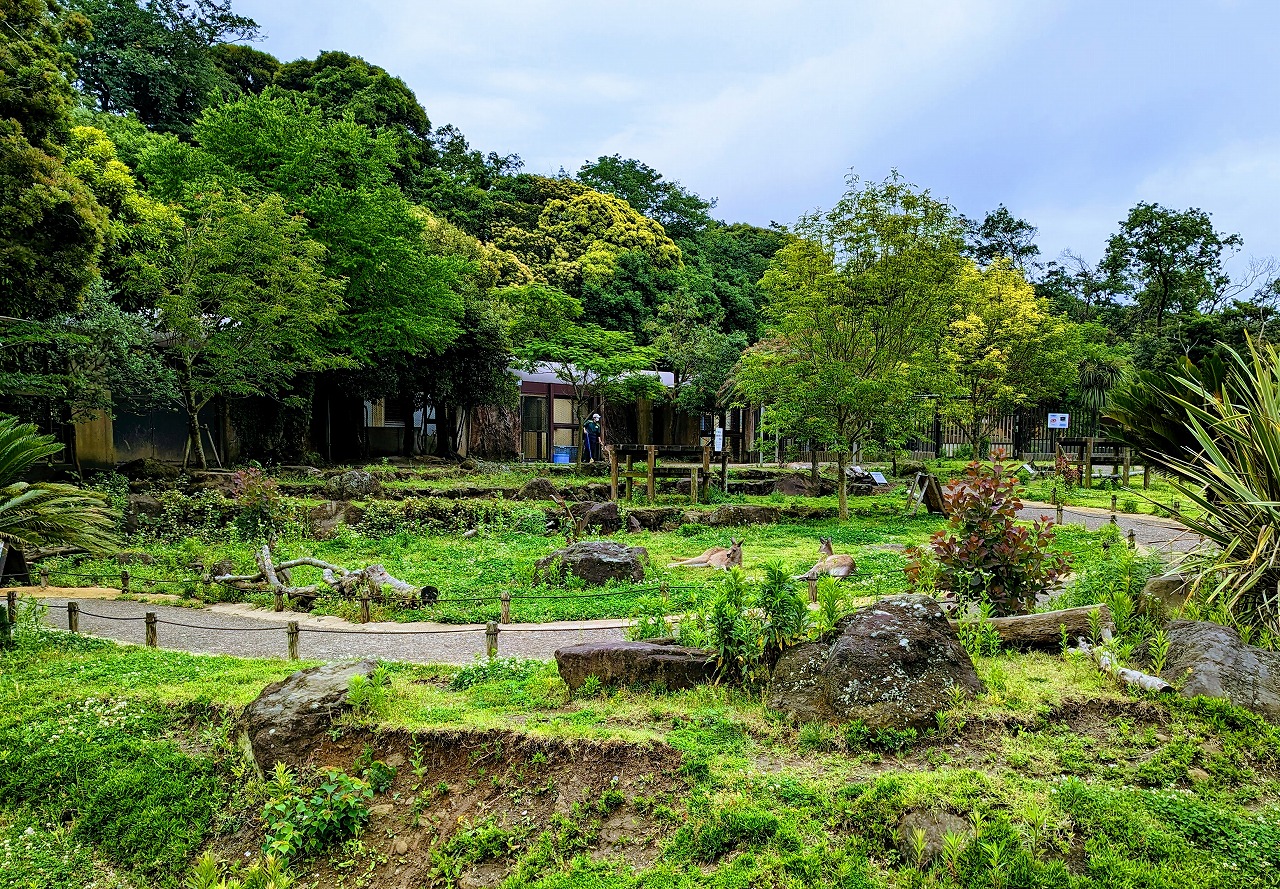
1068, 113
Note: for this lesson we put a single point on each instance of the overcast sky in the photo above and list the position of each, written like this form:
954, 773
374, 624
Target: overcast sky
1066, 112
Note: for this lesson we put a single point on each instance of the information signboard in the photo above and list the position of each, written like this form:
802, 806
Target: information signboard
1059, 421
719, 439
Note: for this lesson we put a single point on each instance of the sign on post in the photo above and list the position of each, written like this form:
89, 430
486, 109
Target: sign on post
719, 439
1059, 421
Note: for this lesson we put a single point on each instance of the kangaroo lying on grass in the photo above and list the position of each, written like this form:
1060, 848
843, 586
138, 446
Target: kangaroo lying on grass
716, 557
838, 567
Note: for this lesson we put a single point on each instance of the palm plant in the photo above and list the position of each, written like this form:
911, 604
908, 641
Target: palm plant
46, 513
1216, 430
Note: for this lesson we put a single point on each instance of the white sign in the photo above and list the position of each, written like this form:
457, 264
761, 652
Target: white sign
1059, 421
879, 479
719, 439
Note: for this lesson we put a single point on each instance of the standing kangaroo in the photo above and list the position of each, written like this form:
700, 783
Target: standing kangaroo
716, 557
838, 567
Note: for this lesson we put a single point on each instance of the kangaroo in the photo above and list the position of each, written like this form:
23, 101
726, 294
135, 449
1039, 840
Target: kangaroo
716, 557
838, 567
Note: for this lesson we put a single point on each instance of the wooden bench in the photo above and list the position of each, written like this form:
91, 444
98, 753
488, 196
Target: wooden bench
698, 474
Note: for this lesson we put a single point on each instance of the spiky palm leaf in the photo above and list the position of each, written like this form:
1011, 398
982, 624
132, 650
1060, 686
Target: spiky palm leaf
1225, 457
46, 513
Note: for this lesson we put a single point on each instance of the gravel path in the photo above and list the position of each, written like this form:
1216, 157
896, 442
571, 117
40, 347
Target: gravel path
246, 632
1150, 531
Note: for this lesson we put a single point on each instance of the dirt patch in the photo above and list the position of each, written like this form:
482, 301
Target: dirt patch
465, 804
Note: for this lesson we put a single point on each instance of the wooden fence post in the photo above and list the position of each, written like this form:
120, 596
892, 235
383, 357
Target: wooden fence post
1113, 504
73, 616
124, 580
152, 620
1087, 481
11, 605
813, 589
1133, 539
364, 607
279, 593
491, 639
1058, 512
44, 577
666, 594
505, 598
1177, 509
292, 629
651, 483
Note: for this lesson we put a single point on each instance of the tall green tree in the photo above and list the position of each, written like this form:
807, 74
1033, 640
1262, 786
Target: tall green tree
1168, 261
1001, 235
155, 58
51, 227
241, 301
682, 213
1003, 350
857, 305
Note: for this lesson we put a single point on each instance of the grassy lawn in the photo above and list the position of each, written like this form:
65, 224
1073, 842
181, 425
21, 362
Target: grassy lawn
118, 769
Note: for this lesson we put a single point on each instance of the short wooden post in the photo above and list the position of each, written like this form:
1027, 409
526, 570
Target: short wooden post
629, 481
491, 639
651, 452
1128, 463
706, 465
613, 474
73, 616
44, 577
124, 580
1059, 514
1177, 509
813, 590
1113, 518
11, 605
724, 472
152, 621
666, 593
693, 485
1113, 504
505, 599
279, 593
1133, 539
364, 608
292, 629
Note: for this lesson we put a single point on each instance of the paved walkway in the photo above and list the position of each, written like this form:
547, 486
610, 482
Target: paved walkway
247, 632
1152, 532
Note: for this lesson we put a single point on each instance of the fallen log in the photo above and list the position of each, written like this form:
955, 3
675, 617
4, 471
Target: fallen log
1045, 630
1106, 663
348, 584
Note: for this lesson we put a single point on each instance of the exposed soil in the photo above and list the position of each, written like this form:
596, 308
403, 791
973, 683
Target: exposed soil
448, 782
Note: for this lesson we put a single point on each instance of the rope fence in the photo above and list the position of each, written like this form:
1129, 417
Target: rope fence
293, 629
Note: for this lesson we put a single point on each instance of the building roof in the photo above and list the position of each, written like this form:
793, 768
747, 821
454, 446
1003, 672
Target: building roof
548, 372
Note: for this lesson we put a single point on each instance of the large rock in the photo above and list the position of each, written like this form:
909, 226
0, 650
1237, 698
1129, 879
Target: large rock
141, 510
893, 665
149, 469
1164, 595
595, 562
288, 716
743, 515
657, 518
1211, 660
598, 516
635, 663
354, 484
538, 489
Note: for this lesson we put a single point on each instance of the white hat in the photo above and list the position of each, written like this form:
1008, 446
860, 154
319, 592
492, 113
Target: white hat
595, 416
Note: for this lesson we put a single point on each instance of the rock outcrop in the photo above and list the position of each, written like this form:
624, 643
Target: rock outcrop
635, 663
1210, 659
894, 664
595, 562
288, 716
355, 484
538, 489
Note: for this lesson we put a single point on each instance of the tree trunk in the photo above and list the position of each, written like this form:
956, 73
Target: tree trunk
444, 431
813, 465
842, 484
1045, 630
193, 421
410, 430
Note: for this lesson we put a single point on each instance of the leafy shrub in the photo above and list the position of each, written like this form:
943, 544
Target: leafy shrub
263, 511
736, 636
370, 696
304, 822
785, 613
377, 773
650, 619
978, 636
204, 515
985, 554
832, 603
268, 872
500, 669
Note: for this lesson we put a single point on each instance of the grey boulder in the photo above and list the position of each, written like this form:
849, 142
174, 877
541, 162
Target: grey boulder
288, 717
355, 484
1211, 660
635, 663
594, 562
894, 664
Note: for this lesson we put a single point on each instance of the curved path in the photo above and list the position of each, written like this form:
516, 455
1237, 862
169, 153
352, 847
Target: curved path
248, 632
1153, 532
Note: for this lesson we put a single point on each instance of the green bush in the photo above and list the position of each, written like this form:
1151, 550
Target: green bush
505, 669
302, 821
